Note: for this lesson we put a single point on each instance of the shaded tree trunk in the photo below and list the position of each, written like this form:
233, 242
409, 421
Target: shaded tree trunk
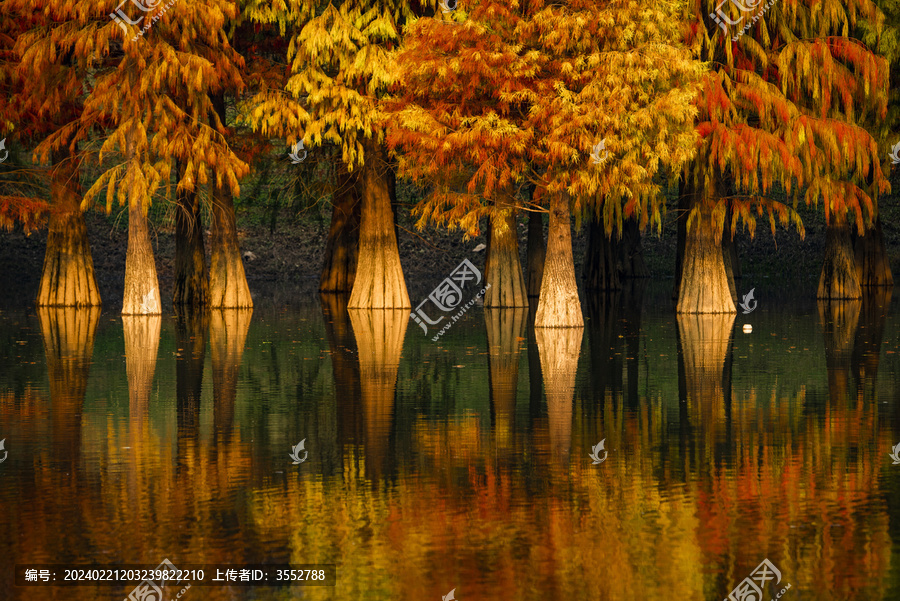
686, 193
631, 254
872, 264
191, 277
601, 259
141, 282
379, 282
704, 286
535, 254
68, 276
503, 269
559, 305
839, 278
342, 247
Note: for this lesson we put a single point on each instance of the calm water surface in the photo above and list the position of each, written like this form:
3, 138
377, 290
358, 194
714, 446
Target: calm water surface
464, 463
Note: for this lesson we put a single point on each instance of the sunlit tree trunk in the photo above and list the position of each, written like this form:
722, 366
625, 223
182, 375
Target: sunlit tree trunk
68, 277
503, 269
227, 335
559, 306
559, 349
536, 253
191, 277
379, 337
379, 282
141, 283
505, 328
342, 246
601, 259
839, 278
704, 286
686, 194
228, 287
730, 258
68, 334
872, 262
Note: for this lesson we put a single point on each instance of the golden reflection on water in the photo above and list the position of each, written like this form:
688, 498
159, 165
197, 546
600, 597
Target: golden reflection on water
505, 508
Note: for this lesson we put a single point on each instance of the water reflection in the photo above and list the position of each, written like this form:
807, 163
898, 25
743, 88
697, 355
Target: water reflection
730, 451
379, 337
227, 335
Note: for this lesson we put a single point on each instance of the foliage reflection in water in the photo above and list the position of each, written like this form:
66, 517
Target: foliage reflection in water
461, 464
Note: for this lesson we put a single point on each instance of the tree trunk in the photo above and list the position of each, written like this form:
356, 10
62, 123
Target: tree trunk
227, 335
379, 337
729, 257
141, 283
872, 263
601, 260
503, 270
840, 278
536, 252
704, 283
342, 247
379, 282
228, 287
68, 277
191, 277
686, 193
559, 306
631, 252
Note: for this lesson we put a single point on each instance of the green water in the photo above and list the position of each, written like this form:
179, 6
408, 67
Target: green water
464, 463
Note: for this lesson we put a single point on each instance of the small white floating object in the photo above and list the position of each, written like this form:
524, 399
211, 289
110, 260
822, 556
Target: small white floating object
478, 249
747, 328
